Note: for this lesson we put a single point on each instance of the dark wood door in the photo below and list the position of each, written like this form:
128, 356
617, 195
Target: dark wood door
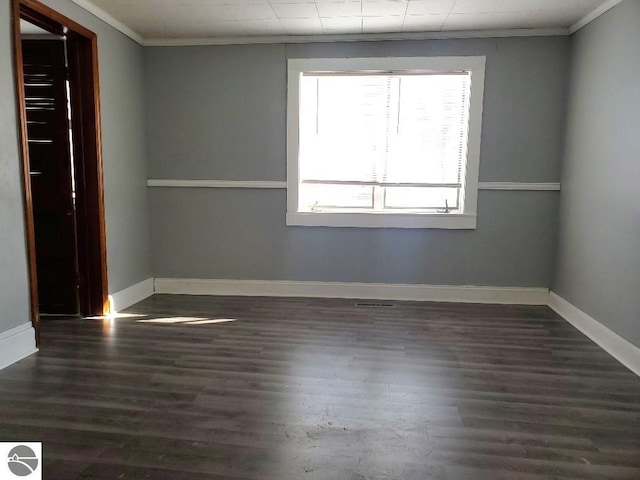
50, 167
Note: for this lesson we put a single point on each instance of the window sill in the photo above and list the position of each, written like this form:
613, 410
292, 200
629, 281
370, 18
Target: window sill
453, 221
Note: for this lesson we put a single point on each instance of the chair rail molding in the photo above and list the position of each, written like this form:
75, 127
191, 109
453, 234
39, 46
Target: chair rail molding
281, 184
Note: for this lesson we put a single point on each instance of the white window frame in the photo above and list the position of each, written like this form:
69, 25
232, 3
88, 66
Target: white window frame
465, 219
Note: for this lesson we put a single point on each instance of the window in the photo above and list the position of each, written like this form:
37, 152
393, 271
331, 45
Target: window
384, 142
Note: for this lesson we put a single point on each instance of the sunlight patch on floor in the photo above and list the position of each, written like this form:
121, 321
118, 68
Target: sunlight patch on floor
115, 316
187, 320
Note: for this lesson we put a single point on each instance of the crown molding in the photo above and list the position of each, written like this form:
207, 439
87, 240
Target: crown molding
107, 18
359, 37
592, 15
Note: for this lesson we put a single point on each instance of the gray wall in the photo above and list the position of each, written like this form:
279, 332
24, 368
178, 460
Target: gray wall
218, 112
14, 285
122, 85
124, 155
599, 244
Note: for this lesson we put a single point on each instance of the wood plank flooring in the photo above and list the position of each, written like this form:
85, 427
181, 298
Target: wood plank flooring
296, 389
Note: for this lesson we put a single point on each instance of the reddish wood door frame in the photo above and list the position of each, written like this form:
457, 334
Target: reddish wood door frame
82, 51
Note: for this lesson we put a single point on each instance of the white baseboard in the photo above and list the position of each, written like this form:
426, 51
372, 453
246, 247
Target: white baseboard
379, 291
131, 295
619, 348
17, 343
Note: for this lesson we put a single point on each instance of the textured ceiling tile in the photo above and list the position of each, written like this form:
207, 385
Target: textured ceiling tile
184, 18
430, 7
260, 27
295, 10
476, 6
306, 26
342, 24
421, 23
583, 6
383, 8
252, 12
516, 20
465, 21
342, 9
386, 24
292, 2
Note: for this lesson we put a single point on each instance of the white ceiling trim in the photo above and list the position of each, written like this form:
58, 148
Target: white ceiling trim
591, 16
118, 25
358, 37
105, 17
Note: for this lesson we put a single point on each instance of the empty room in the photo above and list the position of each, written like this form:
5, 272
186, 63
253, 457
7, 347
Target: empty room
319, 239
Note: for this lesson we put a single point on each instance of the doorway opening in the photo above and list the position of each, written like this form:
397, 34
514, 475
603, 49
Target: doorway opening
58, 104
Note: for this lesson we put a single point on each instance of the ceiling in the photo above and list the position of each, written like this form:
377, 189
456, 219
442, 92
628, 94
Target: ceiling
190, 19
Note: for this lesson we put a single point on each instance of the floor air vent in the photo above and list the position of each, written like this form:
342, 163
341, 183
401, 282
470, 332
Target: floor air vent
375, 305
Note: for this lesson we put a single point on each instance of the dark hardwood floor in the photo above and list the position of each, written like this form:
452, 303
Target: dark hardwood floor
296, 389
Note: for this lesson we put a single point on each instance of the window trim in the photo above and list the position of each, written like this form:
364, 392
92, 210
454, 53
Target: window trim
463, 220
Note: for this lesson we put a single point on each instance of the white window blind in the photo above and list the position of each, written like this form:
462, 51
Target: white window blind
372, 141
